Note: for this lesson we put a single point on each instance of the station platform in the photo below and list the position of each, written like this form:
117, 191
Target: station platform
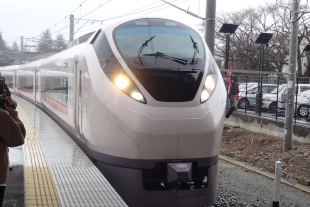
56, 171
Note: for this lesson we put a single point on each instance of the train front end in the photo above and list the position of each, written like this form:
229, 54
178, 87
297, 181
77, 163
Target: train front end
167, 96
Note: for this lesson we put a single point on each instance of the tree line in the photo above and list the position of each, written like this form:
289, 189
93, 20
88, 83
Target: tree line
268, 17
45, 43
5, 47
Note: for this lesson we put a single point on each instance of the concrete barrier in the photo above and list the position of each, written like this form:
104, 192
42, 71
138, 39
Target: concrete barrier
268, 126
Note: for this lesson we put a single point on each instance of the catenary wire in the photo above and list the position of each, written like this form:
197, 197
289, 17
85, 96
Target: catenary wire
96, 8
129, 13
135, 12
83, 16
65, 16
165, 7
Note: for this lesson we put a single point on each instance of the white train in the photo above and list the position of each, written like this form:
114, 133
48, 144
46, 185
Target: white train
144, 98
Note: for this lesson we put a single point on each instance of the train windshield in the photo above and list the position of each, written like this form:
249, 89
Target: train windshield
167, 57
145, 37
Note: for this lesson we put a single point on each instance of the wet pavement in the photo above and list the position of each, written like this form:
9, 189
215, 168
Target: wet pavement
14, 193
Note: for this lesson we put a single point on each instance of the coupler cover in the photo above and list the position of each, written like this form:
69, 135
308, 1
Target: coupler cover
179, 172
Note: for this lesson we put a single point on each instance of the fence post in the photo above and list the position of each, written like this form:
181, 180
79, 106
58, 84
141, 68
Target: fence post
277, 98
276, 186
296, 102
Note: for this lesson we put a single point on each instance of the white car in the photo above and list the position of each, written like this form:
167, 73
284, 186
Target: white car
249, 98
303, 103
270, 100
242, 86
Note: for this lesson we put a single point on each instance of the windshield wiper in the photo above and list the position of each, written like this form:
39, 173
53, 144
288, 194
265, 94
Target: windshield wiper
162, 55
194, 60
141, 62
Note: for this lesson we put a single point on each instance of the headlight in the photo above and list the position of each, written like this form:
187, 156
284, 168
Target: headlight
121, 82
125, 84
208, 87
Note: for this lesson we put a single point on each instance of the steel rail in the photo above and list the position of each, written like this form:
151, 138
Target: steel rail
299, 187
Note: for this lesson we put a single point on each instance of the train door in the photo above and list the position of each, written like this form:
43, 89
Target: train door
15, 81
36, 89
78, 98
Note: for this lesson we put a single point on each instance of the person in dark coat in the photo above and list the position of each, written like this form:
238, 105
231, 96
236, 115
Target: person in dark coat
234, 89
227, 83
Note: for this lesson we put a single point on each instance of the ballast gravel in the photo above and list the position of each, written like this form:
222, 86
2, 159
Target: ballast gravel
239, 187
225, 199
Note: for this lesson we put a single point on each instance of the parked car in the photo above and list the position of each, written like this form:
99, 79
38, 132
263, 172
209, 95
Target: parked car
249, 98
242, 86
270, 100
303, 103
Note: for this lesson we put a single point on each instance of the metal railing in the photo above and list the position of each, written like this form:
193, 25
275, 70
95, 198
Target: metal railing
269, 98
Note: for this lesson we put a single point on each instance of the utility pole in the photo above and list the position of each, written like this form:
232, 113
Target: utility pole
21, 49
288, 126
210, 24
227, 51
71, 34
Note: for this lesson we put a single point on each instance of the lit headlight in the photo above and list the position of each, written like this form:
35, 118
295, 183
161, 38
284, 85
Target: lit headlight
138, 96
124, 83
121, 82
208, 87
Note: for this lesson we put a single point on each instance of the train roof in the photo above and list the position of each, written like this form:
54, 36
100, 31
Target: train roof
109, 27
31, 64
10, 67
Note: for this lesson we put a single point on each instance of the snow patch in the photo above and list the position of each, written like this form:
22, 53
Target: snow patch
16, 156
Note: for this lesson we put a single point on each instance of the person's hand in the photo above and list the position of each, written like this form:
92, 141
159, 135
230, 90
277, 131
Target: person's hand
10, 102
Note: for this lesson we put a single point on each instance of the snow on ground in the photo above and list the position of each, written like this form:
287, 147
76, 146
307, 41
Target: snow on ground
16, 156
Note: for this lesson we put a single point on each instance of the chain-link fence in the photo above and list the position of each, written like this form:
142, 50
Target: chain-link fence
266, 95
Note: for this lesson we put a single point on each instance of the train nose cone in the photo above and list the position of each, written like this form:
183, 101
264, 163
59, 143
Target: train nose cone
200, 137
156, 137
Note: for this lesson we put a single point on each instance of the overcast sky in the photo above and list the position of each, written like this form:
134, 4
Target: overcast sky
30, 17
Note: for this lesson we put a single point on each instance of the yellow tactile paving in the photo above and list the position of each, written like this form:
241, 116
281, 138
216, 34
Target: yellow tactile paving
40, 190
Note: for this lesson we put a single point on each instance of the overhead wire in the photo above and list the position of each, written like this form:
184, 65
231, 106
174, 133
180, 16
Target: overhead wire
84, 16
138, 9
66, 16
136, 12
125, 14
165, 7
96, 8
198, 7
132, 12
98, 25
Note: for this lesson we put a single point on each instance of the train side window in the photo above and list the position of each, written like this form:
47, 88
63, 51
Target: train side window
25, 82
55, 88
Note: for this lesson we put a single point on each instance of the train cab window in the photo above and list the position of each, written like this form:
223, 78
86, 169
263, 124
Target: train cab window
168, 58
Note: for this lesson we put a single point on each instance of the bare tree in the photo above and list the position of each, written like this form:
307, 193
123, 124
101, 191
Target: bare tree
269, 17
